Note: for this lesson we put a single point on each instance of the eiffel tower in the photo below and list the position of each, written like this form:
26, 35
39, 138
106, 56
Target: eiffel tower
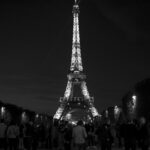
76, 103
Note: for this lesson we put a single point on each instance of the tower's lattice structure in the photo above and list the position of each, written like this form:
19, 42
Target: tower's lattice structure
76, 100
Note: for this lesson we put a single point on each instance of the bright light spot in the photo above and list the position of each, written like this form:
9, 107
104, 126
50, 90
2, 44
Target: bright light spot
37, 115
133, 102
116, 112
3, 110
68, 116
106, 113
134, 97
23, 114
24, 117
73, 122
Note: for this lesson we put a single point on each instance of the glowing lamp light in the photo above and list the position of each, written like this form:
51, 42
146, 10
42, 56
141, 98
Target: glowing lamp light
24, 117
134, 98
3, 111
106, 113
116, 110
74, 122
37, 116
132, 104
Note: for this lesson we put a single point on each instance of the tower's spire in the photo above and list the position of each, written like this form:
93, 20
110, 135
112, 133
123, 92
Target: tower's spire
76, 60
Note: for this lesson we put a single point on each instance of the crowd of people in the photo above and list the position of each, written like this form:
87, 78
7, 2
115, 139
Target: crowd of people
62, 135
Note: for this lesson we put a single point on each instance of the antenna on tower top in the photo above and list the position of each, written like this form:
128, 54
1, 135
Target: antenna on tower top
77, 2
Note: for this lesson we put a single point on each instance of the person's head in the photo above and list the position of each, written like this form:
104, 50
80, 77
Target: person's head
80, 122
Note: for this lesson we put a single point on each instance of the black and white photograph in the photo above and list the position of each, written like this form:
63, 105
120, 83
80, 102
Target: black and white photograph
74, 75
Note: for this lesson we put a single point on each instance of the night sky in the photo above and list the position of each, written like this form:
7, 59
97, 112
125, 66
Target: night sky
36, 42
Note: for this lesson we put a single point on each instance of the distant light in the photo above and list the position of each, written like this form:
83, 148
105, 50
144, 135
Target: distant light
37, 116
116, 112
134, 100
23, 114
132, 104
24, 117
68, 116
106, 112
89, 117
134, 97
3, 111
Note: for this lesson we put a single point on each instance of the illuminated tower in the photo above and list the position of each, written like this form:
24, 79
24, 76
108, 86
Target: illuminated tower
76, 103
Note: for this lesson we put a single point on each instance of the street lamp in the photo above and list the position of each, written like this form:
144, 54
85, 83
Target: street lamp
132, 106
3, 112
116, 112
37, 116
23, 117
134, 101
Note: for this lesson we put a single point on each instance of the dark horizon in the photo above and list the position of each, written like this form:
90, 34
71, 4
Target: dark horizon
36, 42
